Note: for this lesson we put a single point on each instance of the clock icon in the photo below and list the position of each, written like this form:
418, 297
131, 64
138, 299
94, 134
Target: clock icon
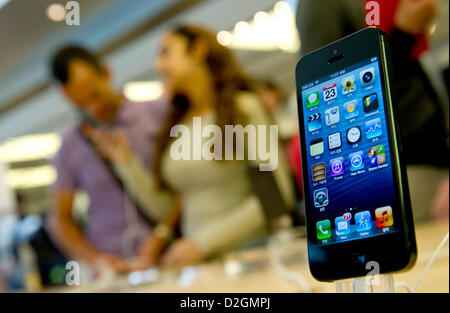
354, 135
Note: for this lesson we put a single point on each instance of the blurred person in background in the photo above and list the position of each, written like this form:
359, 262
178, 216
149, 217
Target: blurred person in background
271, 95
423, 125
274, 99
295, 161
220, 208
440, 203
10, 278
117, 225
275, 102
422, 122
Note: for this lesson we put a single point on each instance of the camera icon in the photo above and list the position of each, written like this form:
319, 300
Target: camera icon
367, 77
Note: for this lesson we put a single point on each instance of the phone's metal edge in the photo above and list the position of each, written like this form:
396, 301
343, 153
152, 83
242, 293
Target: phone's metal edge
401, 178
391, 115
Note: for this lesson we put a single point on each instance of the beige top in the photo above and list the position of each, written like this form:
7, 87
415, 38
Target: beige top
220, 210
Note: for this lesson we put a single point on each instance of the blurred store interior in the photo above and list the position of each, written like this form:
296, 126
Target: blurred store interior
33, 112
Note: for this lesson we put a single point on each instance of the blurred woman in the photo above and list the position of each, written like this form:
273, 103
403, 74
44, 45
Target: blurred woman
220, 209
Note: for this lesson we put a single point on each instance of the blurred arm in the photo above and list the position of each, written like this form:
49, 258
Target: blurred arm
254, 113
414, 16
151, 249
411, 20
157, 203
237, 227
138, 180
66, 232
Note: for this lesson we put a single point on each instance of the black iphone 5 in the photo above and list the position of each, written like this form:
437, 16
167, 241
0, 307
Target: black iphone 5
357, 201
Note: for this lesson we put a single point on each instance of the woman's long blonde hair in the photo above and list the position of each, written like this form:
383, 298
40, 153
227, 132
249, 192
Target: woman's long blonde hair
228, 79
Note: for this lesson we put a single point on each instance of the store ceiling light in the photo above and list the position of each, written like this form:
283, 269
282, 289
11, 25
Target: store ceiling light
3, 3
29, 148
224, 38
282, 7
56, 12
267, 31
143, 91
432, 29
32, 177
261, 18
242, 27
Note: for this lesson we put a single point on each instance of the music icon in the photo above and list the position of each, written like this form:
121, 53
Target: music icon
384, 217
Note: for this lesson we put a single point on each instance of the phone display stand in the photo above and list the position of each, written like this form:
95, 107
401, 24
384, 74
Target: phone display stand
368, 284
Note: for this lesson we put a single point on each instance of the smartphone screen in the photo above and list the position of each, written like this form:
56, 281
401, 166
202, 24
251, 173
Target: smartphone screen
351, 178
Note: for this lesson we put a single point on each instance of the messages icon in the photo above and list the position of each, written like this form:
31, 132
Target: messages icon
312, 99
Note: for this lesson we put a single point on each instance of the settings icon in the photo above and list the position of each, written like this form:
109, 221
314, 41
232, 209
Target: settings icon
320, 197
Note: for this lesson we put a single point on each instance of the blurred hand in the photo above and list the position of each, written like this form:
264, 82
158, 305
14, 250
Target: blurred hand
440, 203
105, 262
183, 252
112, 144
148, 254
139, 264
413, 16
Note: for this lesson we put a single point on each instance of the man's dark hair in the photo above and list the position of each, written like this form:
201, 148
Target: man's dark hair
62, 58
270, 85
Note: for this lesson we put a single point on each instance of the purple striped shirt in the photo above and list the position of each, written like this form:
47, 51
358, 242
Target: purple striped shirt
109, 226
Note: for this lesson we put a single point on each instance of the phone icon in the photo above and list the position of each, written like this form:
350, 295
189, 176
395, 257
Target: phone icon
323, 229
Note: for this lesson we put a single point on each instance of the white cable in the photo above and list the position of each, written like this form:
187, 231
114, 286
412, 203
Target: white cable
404, 285
427, 267
430, 262
282, 270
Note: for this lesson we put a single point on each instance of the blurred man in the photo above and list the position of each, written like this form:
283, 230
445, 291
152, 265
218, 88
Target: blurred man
116, 227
